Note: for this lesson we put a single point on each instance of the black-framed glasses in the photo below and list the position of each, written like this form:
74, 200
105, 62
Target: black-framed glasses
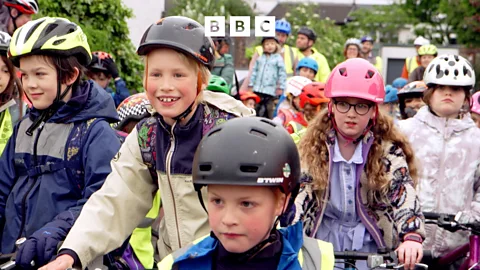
360, 108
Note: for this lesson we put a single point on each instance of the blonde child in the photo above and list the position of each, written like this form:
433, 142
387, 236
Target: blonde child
158, 153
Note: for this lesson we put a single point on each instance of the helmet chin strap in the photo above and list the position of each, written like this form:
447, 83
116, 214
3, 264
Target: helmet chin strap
14, 19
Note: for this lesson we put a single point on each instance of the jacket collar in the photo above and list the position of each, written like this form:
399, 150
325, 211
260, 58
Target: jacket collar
443, 125
292, 238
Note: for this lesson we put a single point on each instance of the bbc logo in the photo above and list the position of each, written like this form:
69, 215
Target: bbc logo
240, 26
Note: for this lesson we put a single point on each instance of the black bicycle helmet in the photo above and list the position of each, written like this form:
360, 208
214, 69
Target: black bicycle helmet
308, 32
179, 33
267, 38
249, 151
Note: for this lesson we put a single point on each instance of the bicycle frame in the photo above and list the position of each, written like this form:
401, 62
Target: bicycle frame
472, 250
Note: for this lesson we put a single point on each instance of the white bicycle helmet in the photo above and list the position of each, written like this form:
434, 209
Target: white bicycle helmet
353, 41
420, 41
296, 84
449, 69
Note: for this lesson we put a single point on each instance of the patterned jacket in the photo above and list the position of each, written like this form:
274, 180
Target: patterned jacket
449, 156
388, 221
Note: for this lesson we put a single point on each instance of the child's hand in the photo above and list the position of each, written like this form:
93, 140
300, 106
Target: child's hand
60, 263
409, 253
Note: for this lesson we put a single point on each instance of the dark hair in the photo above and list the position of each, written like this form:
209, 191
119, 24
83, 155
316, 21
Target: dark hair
14, 88
65, 68
92, 72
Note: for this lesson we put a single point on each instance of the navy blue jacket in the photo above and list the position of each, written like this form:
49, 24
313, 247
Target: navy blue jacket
54, 198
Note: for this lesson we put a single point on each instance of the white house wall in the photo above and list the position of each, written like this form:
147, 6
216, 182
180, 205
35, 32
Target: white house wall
145, 13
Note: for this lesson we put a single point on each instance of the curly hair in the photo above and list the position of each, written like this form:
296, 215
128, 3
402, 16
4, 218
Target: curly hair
314, 152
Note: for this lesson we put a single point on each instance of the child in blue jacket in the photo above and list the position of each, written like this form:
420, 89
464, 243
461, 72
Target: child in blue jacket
60, 153
246, 196
268, 77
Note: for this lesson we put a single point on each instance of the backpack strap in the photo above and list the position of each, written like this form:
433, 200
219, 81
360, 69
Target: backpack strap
147, 137
213, 116
74, 155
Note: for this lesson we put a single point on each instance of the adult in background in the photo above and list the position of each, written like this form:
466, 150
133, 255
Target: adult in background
367, 46
411, 63
352, 48
306, 38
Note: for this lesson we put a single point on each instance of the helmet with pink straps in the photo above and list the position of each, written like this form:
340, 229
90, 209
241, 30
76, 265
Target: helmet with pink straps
476, 103
356, 78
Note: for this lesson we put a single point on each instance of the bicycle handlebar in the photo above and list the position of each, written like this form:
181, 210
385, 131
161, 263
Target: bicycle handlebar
363, 256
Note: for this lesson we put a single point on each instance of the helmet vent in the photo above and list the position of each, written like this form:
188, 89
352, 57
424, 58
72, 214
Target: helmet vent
30, 32
369, 74
456, 58
466, 72
268, 122
190, 26
258, 133
214, 132
446, 72
59, 41
343, 71
455, 72
248, 168
205, 167
50, 28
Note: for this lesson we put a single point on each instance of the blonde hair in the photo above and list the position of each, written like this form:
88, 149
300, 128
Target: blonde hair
203, 74
314, 152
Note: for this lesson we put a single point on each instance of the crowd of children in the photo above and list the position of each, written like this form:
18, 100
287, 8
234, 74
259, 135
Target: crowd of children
345, 164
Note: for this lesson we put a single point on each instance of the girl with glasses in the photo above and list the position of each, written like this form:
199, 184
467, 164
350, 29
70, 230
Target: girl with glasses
359, 174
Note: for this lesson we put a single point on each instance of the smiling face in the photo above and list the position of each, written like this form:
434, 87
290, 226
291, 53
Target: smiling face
447, 101
39, 80
242, 216
350, 122
352, 51
170, 82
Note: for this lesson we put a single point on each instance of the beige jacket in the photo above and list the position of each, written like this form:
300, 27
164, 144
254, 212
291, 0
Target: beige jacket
113, 212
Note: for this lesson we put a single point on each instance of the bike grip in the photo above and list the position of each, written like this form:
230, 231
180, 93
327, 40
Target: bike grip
431, 215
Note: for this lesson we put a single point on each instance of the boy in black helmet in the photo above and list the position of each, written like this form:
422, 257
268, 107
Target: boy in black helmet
246, 196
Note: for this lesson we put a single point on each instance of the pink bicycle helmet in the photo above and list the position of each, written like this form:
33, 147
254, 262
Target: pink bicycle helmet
476, 103
356, 78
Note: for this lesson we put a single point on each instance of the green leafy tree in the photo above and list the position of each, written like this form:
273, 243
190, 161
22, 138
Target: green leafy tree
433, 21
464, 19
104, 23
330, 37
198, 9
382, 20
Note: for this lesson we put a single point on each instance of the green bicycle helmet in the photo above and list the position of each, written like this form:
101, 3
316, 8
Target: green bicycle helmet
218, 84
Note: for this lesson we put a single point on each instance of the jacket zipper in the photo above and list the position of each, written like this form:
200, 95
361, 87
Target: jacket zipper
35, 164
168, 171
441, 172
